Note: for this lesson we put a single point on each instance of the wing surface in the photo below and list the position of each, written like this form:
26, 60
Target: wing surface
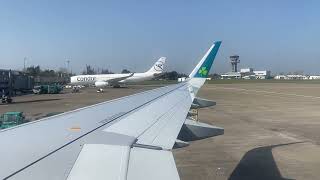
49, 147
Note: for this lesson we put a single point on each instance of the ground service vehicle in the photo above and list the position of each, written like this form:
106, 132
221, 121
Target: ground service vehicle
11, 119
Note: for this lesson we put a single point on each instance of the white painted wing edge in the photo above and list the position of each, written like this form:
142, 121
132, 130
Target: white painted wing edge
101, 162
147, 164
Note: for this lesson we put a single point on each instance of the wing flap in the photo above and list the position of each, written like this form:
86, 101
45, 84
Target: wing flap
193, 130
152, 164
100, 162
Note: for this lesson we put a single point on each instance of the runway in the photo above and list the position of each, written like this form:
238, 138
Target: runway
271, 132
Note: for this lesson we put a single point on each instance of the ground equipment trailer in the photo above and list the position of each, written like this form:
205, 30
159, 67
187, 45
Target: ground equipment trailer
11, 119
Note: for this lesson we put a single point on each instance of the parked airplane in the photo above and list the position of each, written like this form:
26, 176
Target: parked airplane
130, 138
115, 80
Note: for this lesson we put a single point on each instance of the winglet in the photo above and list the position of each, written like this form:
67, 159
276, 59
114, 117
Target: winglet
200, 72
203, 67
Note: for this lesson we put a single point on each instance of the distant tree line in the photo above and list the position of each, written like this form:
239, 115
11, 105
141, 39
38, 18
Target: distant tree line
214, 76
90, 70
300, 72
37, 71
124, 71
172, 75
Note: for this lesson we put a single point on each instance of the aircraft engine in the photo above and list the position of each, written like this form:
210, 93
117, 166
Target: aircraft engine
100, 84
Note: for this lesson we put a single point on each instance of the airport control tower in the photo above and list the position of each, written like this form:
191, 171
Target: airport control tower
234, 62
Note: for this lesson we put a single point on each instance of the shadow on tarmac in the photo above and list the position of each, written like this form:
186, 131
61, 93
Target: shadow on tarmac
32, 101
259, 164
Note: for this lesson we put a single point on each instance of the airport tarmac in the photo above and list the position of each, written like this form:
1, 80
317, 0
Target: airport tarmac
271, 129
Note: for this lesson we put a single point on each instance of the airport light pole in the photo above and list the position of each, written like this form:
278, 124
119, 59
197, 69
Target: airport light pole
24, 64
68, 65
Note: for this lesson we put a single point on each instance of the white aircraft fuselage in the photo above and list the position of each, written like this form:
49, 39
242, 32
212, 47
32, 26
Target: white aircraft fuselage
103, 80
92, 79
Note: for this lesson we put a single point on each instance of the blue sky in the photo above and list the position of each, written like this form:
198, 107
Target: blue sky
281, 36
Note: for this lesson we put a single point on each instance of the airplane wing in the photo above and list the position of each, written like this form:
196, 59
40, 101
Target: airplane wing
116, 80
128, 138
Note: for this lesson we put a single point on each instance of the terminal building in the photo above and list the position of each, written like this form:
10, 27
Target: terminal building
291, 77
231, 75
262, 74
297, 77
314, 77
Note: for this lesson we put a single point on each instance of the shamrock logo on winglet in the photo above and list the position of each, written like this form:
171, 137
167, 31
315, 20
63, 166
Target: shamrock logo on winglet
203, 71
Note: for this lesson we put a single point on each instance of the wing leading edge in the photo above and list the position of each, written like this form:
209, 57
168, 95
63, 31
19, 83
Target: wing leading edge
127, 137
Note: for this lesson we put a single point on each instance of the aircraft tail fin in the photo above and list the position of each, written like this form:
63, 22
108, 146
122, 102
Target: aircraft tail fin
203, 67
158, 66
199, 74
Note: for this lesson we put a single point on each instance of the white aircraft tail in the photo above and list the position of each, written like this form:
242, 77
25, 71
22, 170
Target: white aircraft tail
158, 66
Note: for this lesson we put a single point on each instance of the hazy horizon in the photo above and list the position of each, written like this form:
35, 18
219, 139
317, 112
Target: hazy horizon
280, 36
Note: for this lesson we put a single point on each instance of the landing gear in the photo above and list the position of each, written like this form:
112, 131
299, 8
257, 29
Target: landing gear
75, 89
6, 99
100, 90
116, 86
